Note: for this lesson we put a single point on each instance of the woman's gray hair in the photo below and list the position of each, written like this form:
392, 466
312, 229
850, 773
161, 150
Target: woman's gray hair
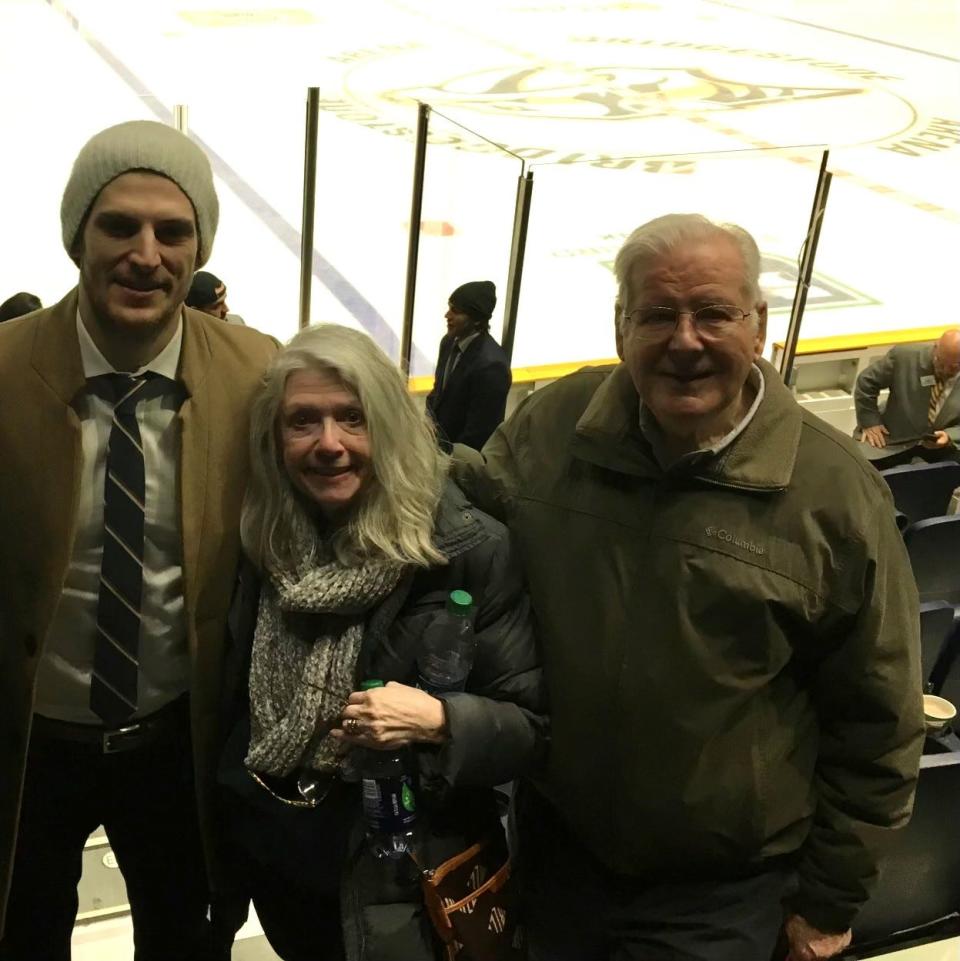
395, 514
657, 236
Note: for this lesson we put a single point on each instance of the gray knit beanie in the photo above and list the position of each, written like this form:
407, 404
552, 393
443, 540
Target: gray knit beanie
141, 145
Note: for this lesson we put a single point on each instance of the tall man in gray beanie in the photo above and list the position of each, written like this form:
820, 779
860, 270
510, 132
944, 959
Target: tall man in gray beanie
124, 451
473, 376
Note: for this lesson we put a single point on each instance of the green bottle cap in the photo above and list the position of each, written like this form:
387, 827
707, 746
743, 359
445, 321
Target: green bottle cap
371, 684
460, 603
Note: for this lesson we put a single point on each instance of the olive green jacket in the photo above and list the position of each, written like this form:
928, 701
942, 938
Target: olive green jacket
731, 648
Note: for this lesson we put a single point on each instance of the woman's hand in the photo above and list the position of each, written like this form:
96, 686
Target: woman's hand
390, 717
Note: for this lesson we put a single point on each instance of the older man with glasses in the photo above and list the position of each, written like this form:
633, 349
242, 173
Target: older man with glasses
729, 632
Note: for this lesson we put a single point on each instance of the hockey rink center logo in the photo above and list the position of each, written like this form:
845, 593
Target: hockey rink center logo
680, 91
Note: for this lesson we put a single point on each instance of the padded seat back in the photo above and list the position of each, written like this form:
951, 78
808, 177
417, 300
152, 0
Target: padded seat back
920, 876
934, 549
936, 629
922, 490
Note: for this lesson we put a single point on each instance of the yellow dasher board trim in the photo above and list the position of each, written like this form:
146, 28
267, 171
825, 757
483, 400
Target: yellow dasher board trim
289, 17
873, 338
813, 345
525, 375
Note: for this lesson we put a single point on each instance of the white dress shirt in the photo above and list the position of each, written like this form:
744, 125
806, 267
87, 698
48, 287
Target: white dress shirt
63, 679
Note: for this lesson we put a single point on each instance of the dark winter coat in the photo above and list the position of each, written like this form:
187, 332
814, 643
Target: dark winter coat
730, 645
470, 403
497, 728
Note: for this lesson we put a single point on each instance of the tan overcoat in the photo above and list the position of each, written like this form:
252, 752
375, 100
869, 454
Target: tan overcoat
41, 375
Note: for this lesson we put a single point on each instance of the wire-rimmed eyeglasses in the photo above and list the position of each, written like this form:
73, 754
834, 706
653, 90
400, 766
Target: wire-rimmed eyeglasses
713, 320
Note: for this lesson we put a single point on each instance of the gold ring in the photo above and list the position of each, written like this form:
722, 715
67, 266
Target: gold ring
352, 726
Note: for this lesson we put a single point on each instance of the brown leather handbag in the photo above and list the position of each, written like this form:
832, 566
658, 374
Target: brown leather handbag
472, 903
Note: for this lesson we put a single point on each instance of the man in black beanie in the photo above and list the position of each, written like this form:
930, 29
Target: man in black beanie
470, 388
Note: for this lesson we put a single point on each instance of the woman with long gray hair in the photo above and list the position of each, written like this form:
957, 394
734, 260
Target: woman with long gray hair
355, 539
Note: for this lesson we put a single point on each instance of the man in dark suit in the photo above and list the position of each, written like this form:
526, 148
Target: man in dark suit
124, 451
469, 393
922, 416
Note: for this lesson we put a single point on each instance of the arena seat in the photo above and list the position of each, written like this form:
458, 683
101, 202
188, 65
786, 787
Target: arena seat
936, 630
918, 896
947, 683
922, 490
934, 555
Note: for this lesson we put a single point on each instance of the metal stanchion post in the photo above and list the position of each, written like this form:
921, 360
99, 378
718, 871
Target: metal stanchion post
309, 202
521, 218
413, 242
806, 271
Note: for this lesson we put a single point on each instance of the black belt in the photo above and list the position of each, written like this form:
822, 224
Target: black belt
141, 731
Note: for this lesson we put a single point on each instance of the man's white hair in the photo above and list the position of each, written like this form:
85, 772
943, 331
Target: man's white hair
661, 234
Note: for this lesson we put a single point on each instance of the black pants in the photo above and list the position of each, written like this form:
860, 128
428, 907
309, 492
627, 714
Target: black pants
301, 924
289, 862
292, 863
577, 910
145, 799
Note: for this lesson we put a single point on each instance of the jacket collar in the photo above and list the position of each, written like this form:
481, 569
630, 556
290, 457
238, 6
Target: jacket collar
57, 360
464, 344
56, 350
476, 342
195, 354
608, 434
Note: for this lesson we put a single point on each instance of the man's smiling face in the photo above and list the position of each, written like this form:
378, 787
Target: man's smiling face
691, 381
138, 253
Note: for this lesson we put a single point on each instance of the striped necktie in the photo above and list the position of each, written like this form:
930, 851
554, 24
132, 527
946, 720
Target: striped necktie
936, 392
113, 686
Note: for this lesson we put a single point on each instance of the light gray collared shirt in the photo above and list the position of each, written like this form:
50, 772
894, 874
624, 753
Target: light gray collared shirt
63, 678
654, 433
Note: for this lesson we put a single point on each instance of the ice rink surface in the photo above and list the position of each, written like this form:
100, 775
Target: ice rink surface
622, 110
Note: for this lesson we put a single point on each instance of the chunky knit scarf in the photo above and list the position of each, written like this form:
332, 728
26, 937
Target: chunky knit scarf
305, 649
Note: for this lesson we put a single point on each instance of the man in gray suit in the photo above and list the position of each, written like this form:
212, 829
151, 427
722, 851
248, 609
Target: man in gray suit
922, 416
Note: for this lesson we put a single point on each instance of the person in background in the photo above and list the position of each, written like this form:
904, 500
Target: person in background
473, 376
922, 416
209, 294
729, 630
18, 305
356, 538
123, 443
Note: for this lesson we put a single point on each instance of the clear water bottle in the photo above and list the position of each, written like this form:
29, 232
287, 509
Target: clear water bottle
447, 647
389, 802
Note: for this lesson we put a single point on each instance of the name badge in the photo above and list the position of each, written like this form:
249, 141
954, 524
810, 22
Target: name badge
927, 380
